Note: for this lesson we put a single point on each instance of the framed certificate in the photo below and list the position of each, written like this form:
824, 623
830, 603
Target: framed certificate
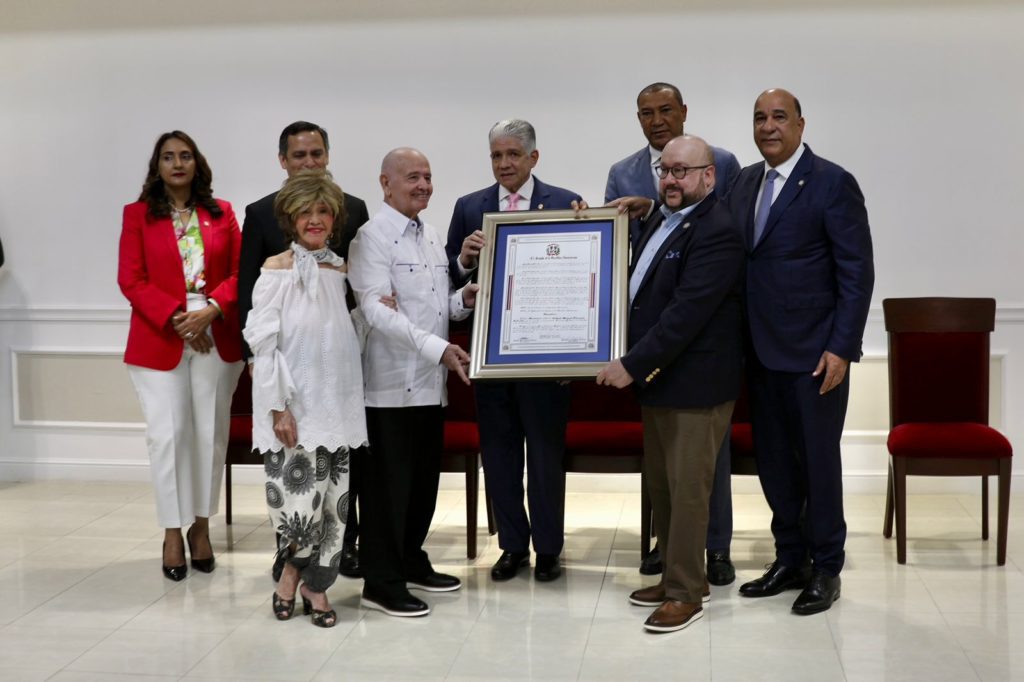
553, 294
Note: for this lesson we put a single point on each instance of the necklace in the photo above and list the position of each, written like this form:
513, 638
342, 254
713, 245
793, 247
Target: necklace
187, 209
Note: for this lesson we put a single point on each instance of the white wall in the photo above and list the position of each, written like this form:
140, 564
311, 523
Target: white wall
922, 102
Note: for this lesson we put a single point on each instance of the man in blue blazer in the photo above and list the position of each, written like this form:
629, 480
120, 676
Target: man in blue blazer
809, 279
662, 116
685, 359
509, 411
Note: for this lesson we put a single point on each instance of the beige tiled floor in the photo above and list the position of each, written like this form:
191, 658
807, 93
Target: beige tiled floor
82, 598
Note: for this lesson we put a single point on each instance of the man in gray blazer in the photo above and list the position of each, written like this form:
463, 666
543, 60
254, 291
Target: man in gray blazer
662, 115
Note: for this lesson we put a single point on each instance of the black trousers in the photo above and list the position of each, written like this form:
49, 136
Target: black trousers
510, 412
400, 475
796, 437
351, 536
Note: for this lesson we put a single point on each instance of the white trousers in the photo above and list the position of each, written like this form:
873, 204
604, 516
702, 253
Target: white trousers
188, 413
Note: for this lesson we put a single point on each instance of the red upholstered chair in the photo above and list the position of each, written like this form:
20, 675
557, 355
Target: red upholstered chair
938, 393
462, 447
605, 436
741, 440
240, 436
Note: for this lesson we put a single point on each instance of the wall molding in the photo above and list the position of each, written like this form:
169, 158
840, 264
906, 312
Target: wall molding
83, 314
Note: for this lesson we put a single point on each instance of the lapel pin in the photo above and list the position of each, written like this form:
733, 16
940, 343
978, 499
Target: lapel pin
801, 183
686, 225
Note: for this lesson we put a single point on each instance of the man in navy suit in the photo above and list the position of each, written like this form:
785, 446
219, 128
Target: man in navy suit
685, 359
809, 279
302, 145
509, 411
662, 115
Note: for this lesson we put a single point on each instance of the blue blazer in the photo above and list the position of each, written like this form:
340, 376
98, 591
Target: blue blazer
632, 176
810, 277
685, 322
470, 209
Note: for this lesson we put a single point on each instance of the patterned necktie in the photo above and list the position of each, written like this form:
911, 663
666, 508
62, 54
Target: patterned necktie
513, 202
765, 205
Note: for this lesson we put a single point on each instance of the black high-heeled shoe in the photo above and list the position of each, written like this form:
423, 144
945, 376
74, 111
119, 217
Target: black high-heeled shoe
321, 619
204, 565
175, 573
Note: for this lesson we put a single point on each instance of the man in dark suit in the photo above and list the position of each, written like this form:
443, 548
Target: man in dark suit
662, 115
685, 359
509, 411
302, 145
809, 275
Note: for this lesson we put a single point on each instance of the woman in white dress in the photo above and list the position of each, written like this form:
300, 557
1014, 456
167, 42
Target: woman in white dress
307, 392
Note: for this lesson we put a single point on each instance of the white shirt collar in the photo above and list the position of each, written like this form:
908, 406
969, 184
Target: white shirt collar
785, 169
400, 222
525, 192
655, 156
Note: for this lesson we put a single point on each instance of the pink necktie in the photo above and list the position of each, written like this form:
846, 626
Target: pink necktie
513, 202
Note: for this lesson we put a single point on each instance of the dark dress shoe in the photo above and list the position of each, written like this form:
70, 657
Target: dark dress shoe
720, 570
508, 564
204, 565
819, 594
777, 579
175, 573
548, 567
403, 606
434, 582
349, 566
651, 565
673, 615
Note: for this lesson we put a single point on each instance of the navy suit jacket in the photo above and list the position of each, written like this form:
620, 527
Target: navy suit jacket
262, 238
809, 279
685, 322
470, 209
632, 176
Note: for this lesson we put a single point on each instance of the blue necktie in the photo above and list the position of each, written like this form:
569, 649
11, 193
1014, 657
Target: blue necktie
765, 205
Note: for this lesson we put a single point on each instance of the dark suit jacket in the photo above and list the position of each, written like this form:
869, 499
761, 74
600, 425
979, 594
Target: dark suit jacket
469, 211
810, 277
262, 238
685, 323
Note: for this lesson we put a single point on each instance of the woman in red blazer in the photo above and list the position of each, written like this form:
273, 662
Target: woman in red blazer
178, 267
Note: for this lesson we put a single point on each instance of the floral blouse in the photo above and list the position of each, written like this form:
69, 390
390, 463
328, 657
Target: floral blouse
190, 246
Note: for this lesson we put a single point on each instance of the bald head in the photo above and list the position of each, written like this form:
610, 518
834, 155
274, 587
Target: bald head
778, 125
406, 180
691, 157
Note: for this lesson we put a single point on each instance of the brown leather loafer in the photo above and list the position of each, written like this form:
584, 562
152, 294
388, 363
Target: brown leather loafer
673, 615
655, 595
648, 596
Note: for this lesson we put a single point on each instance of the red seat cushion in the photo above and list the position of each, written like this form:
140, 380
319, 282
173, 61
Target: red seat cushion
614, 438
741, 442
461, 437
948, 439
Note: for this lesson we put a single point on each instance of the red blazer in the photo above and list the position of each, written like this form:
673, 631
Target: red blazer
152, 278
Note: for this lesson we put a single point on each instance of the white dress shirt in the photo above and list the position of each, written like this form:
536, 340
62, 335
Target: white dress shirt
401, 365
525, 194
655, 165
784, 169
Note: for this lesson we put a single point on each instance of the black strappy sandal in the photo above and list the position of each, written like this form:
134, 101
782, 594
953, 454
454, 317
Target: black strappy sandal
321, 619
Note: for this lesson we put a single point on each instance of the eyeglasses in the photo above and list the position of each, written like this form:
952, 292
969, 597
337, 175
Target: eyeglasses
679, 172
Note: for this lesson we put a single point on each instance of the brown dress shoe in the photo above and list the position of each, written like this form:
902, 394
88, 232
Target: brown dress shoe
648, 596
673, 615
655, 595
